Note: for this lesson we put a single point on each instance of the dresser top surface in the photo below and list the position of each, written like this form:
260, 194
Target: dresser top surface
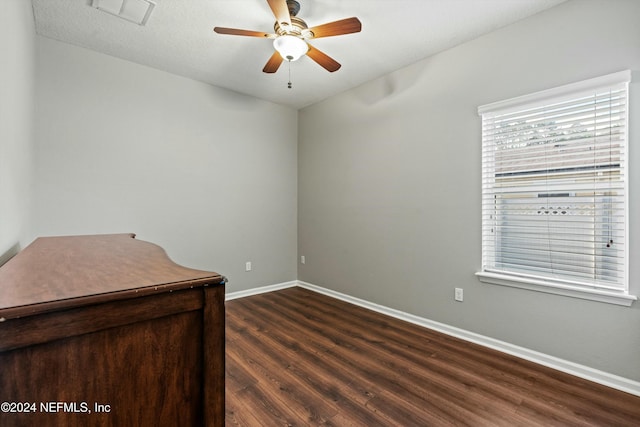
56, 273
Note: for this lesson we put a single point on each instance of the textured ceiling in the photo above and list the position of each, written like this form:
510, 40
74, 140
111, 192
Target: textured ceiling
179, 38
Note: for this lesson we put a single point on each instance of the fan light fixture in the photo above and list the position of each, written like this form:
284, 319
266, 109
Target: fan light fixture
290, 47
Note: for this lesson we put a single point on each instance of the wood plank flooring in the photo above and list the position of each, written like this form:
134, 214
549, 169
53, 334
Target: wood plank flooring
297, 358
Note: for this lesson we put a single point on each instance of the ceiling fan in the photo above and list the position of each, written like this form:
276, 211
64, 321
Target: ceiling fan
291, 35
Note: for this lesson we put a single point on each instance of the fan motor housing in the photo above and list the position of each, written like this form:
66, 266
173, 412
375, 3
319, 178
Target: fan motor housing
298, 28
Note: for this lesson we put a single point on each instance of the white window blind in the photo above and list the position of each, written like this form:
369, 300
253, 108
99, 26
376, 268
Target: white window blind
554, 193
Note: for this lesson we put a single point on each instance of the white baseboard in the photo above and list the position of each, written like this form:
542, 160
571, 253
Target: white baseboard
260, 290
581, 371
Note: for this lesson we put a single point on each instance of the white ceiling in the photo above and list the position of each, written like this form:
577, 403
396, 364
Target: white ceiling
179, 38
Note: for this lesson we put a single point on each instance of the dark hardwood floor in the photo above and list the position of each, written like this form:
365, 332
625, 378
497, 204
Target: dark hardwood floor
295, 358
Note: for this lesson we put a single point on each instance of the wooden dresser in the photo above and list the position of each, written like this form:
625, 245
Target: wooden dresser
106, 330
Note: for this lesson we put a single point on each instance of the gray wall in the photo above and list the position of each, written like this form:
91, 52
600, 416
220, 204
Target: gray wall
208, 174
389, 184
16, 121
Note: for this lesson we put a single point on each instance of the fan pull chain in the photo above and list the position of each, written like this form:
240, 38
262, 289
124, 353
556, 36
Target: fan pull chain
289, 84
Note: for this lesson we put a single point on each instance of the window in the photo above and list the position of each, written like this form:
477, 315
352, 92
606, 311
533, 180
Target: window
554, 190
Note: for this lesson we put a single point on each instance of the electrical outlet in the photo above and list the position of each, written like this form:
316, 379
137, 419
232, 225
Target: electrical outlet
302, 259
247, 266
458, 295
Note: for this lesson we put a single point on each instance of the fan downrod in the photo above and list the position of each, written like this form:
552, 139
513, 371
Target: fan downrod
294, 7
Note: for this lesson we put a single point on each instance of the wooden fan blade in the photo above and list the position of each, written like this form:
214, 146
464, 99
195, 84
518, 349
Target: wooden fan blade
324, 60
280, 11
237, 32
273, 63
337, 28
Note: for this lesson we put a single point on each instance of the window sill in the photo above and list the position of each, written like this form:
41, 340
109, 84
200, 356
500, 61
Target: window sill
569, 291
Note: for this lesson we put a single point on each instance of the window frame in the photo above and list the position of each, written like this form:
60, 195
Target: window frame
549, 285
